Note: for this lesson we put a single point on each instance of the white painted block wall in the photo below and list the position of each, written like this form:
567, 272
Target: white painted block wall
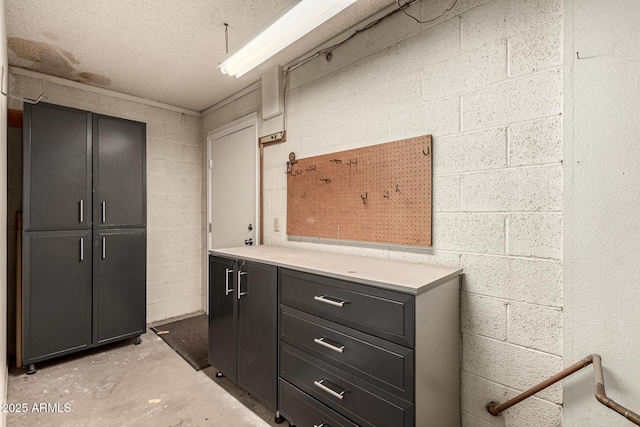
602, 181
175, 216
3, 220
486, 81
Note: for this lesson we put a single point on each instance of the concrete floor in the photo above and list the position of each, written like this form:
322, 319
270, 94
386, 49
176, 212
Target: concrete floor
130, 385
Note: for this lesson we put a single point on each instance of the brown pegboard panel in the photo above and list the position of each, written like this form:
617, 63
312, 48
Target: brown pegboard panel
380, 193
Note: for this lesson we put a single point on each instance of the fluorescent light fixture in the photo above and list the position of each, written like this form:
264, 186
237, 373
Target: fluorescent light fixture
293, 22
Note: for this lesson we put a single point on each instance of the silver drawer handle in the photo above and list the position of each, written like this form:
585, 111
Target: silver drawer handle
329, 301
322, 425
104, 211
82, 249
322, 342
227, 291
104, 248
328, 390
81, 210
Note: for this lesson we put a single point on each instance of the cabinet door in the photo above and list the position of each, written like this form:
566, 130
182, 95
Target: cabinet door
257, 331
56, 293
222, 316
57, 168
119, 173
119, 284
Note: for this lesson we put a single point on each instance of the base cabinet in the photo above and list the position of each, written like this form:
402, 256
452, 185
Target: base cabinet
361, 355
243, 338
360, 341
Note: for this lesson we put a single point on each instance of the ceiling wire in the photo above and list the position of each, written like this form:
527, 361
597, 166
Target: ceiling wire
328, 50
226, 36
403, 7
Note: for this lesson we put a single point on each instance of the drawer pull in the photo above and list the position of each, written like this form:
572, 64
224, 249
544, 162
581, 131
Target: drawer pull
333, 393
322, 341
329, 300
322, 425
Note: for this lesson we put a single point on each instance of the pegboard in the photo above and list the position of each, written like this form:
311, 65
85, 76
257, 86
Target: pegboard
380, 193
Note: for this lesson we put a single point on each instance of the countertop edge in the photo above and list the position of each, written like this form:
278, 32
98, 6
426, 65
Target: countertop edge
406, 289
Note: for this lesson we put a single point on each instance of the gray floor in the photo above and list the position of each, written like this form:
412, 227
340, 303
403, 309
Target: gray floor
129, 385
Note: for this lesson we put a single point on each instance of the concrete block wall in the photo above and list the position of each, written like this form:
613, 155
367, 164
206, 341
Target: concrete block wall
175, 211
486, 81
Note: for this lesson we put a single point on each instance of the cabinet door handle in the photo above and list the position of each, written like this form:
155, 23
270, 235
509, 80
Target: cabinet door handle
82, 249
81, 211
329, 300
324, 343
227, 291
322, 425
104, 248
104, 211
240, 293
324, 388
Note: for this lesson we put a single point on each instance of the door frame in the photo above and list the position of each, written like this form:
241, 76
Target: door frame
217, 133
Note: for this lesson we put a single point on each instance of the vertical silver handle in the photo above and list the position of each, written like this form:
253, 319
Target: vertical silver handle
240, 274
81, 211
227, 291
104, 211
82, 249
104, 248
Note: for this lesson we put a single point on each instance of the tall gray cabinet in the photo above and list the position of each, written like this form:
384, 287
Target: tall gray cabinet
84, 233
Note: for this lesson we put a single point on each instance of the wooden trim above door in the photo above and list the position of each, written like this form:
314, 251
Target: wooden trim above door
14, 118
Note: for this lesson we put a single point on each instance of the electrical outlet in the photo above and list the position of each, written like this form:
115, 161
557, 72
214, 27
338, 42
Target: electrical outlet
273, 138
276, 225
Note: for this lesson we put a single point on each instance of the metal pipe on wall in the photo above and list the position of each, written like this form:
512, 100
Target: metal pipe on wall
495, 409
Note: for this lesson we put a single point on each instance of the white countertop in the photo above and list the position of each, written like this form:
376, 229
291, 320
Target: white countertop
400, 276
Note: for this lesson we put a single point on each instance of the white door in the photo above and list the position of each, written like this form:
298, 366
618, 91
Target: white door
232, 195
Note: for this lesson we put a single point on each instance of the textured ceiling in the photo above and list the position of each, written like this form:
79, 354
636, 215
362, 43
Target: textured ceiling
163, 50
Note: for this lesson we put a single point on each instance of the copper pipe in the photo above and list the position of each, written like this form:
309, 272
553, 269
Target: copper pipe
495, 409
602, 396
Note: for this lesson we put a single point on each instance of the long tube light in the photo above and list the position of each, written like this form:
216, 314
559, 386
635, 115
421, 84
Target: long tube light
293, 22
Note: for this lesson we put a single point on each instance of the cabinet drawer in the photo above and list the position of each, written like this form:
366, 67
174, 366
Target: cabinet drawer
343, 392
305, 411
380, 312
382, 363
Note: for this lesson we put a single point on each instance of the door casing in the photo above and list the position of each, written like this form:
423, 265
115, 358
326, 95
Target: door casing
248, 121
